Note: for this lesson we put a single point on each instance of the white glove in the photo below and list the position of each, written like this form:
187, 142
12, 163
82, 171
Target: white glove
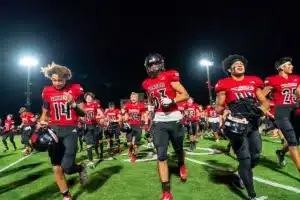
27, 128
166, 102
126, 125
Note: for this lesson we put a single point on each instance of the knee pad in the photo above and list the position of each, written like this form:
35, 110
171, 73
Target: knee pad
288, 131
162, 153
245, 163
254, 161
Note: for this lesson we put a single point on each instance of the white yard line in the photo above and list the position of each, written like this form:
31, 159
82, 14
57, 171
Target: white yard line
274, 184
14, 163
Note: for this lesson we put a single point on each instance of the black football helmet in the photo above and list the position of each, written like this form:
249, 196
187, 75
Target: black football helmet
43, 139
154, 59
227, 62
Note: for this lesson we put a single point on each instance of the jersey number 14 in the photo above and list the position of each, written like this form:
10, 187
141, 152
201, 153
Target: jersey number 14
62, 109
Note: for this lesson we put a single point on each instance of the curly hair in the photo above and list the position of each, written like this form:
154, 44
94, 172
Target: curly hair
61, 71
227, 62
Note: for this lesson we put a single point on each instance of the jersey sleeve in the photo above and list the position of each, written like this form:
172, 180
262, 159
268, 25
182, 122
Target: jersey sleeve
78, 93
173, 76
258, 82
268, 82
143, 107
126, 107
220, 86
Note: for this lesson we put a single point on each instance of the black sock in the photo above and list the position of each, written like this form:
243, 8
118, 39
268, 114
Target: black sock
166, 186
246, 174
101, 148
66, 193
80, 143
118, 142
96, 149
5, 144
14, 144
90, 154
111, 144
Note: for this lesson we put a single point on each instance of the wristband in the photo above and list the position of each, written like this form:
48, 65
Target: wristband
74, 105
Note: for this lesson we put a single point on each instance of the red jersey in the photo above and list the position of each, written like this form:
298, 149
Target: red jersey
203, 114
8, 124
135, 112
283, 89
61, 112
160, 87
27, 118
211, 112
91, 112
181, 106
192, 111
235, 89
272, 107
112, 114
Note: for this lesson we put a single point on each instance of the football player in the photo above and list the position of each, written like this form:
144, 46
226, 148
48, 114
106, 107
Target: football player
64, 101
114, 118
135, 114
241, 93
92, 109
285, 91
202, 121
26, 128
214, 121
9, 125
164, 91
193, 115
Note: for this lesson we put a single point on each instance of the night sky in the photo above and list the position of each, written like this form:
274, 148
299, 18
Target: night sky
105, 44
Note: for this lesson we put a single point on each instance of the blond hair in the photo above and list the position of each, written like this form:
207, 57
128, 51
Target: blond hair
61, 71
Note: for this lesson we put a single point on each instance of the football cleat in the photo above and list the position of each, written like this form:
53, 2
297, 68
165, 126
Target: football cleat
166, 196
183, 173
281, 159
133, 158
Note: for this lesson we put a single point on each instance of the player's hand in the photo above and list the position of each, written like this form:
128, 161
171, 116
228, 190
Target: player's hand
146, 127
68, 97
42, 125
166, 102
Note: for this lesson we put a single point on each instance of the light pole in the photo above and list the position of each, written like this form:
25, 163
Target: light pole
206, 63
28, 62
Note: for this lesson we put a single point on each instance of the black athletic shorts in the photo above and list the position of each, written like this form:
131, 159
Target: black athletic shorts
164, 131
64, 152
136, 133
91, 134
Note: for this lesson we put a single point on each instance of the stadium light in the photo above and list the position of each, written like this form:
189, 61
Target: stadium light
207, 63
28, 62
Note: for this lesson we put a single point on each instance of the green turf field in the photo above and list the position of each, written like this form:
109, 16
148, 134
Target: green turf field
208, 177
